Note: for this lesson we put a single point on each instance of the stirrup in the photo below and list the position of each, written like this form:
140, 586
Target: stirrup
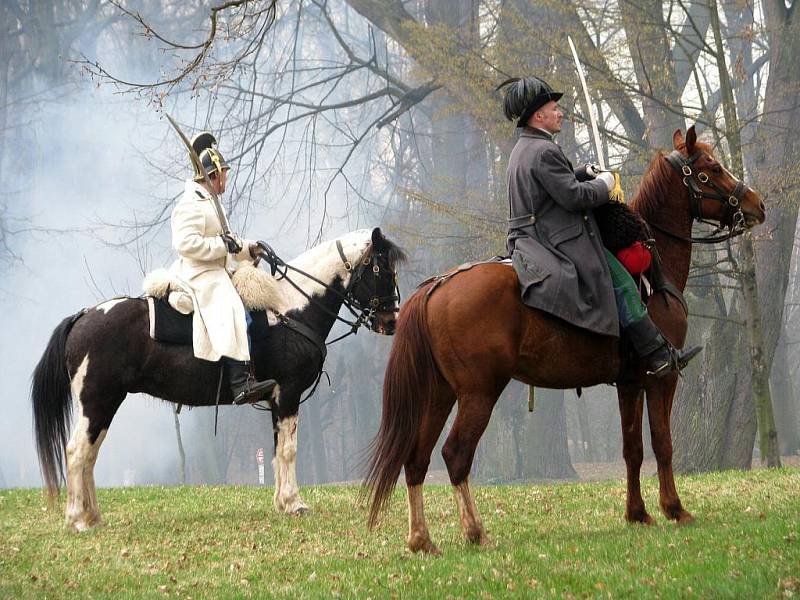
664, 369
677, 361
684, 358
254, 391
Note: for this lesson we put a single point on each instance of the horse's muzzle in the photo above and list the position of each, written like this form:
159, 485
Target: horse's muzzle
384, 323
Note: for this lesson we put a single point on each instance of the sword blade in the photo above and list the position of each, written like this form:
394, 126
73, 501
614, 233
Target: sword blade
589, 106
223, 219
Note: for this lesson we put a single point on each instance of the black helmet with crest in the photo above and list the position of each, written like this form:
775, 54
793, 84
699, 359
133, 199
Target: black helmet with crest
203, 144
524, 96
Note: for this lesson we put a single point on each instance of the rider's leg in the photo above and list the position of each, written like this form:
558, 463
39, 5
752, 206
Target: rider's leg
659, 355
244, 386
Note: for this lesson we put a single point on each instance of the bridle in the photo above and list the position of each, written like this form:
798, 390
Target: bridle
369, 263
364, 314
694, 180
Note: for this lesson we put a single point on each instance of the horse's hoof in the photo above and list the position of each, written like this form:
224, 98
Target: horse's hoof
479, 538
292, 507
678, 514
81, 526
640, 518
422, 543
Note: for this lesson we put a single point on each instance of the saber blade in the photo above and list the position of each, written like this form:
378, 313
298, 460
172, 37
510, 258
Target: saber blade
589, 106
223, 220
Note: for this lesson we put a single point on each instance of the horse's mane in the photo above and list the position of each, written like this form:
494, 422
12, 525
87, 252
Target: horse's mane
655, 186
395, 253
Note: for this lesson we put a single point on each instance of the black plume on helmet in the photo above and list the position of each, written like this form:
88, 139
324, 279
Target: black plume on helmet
203, 145
524, 96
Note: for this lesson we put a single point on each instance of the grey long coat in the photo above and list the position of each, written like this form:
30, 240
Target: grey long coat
553, 238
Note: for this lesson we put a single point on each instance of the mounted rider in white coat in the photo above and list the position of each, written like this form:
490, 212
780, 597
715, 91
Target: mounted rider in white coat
207, 258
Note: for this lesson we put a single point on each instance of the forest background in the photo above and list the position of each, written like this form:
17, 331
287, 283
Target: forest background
342, 114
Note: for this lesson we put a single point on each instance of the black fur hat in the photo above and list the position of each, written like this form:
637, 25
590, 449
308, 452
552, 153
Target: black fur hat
203, 144
524, 96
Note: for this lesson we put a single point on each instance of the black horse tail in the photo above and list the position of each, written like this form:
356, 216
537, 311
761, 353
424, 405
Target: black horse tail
411, 378
52, 406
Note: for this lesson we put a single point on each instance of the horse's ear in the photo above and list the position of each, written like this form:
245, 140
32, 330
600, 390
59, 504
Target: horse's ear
377, 236
677, 139
691, 138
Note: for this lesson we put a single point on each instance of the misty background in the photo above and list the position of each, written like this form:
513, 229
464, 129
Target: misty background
346, 114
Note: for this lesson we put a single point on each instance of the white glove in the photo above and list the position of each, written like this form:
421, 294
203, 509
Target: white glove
607, 177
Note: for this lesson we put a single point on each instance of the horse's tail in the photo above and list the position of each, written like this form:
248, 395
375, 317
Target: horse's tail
411, 377
52, 406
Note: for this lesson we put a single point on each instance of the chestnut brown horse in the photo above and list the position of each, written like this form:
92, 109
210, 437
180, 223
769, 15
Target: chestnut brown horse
465, 341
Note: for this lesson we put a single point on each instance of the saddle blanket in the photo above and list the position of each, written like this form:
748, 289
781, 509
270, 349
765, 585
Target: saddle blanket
173, 327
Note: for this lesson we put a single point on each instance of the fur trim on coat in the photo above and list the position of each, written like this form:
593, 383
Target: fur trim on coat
257, 288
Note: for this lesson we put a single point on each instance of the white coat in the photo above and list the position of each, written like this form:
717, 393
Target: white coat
204, 268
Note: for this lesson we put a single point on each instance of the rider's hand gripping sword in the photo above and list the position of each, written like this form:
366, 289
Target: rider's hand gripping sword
227, 235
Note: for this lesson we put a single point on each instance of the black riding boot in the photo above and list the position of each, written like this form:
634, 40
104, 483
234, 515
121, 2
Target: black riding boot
244, 387
660, 357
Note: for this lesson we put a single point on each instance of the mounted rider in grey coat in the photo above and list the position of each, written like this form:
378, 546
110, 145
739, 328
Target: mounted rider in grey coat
553, 237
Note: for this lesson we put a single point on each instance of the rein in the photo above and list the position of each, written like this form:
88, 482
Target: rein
363, 314
693, 180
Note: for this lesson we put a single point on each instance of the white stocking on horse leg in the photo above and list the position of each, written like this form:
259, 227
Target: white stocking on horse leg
82, 509
277, 500
277, 470
418, 536
471, 523
287, 493
88, 477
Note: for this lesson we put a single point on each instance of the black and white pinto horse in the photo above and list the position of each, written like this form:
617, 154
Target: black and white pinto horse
98, 356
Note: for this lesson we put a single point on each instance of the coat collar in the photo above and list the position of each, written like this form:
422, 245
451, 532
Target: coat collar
194, 188
538, 133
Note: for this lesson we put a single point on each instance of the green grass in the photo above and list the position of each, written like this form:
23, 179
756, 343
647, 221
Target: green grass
547, 541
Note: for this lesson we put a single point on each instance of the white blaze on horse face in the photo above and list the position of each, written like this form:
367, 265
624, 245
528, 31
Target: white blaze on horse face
109, 304
324, 263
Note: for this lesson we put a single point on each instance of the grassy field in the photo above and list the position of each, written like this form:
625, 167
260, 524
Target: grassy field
548, 541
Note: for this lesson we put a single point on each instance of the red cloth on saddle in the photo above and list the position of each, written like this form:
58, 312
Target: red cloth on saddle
636, 258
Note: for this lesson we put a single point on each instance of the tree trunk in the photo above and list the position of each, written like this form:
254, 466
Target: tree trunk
209, 466
786, 413
759, 370
6, 51
775, 156
181, 453
316, 436
767, 434
547, 455
587, 446
645, 31
713, 419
